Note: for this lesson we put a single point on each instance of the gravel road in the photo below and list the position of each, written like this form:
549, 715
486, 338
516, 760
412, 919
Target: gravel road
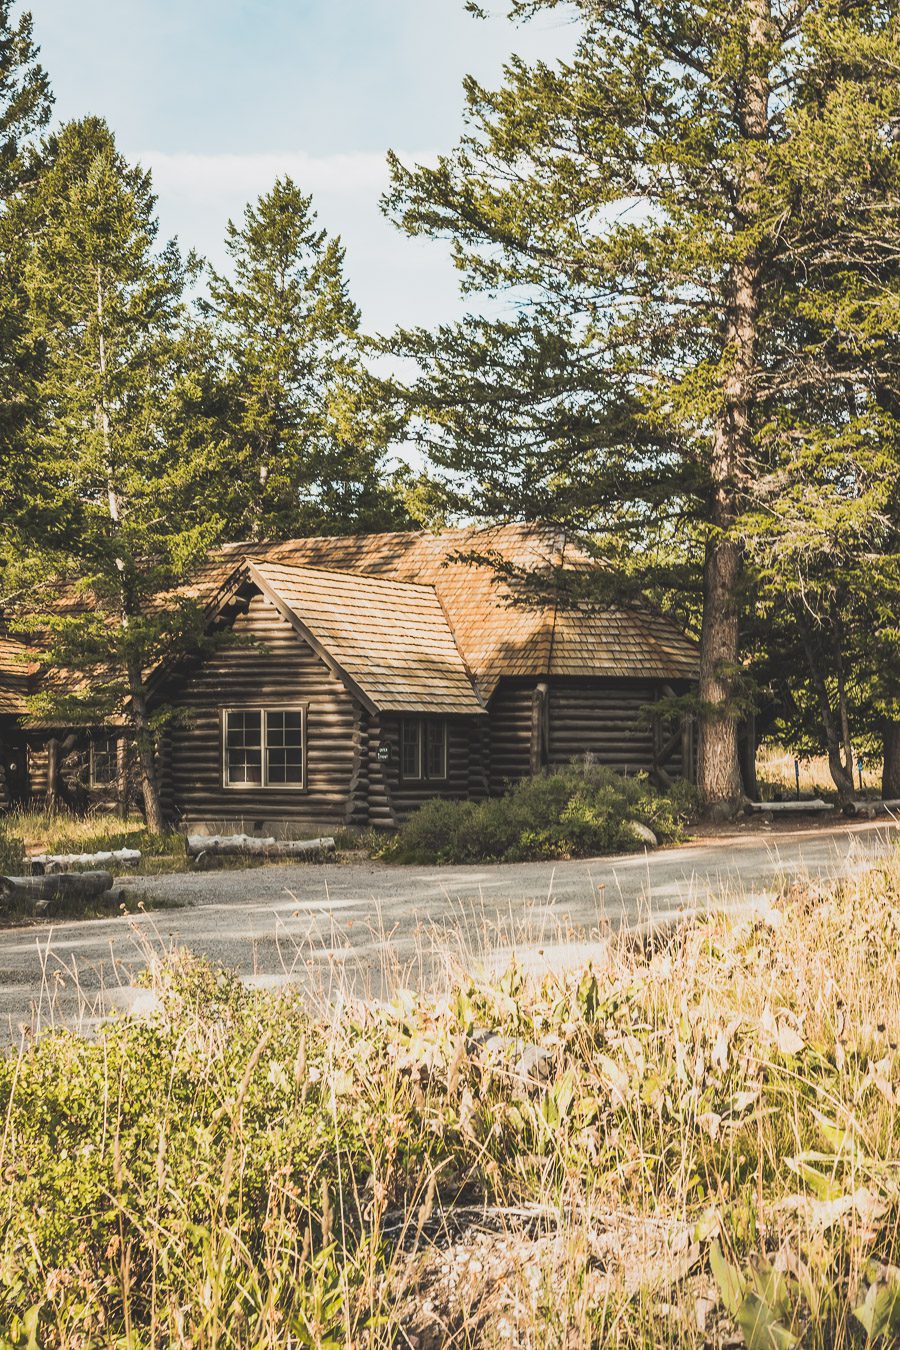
371, 927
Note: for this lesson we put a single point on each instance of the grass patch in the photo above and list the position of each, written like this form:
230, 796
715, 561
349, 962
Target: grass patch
27, 832
573, 813
692, 1143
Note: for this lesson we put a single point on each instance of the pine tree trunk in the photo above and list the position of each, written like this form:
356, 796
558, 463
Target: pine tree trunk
146, 753
890, 777
718, 769
140, 720
718, 766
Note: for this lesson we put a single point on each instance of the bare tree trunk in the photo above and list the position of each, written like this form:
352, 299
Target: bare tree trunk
122, 777
140, 720
836, 731
146, 756
718, 769
890, 777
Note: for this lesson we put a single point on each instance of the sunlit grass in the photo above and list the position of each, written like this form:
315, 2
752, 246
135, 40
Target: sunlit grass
692, 1142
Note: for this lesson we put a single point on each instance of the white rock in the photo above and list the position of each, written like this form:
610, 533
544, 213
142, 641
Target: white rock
643, 833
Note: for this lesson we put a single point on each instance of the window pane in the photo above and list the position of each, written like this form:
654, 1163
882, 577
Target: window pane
243, 728
284, 748
244, 765
437, 750
243, 743
104, 765
411, 748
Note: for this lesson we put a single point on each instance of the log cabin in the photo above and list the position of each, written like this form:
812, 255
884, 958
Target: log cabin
349, 679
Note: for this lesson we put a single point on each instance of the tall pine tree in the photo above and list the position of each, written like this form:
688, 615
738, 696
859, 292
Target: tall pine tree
111, 516
643, 204
304, 437
25, 103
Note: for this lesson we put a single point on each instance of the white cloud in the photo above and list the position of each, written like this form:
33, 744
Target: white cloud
227, 175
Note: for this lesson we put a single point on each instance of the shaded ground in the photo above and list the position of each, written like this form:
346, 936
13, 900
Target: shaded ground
372, 927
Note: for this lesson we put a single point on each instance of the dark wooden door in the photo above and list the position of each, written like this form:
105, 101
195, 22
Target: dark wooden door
14, 766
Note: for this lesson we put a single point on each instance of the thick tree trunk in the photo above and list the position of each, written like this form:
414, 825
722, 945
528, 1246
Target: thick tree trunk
146, 753
718, 769
890, 777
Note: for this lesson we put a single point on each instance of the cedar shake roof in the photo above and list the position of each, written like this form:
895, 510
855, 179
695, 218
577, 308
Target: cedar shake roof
495, 636
15, 673
390, 639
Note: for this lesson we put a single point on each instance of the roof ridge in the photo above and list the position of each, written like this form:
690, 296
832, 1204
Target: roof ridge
342, 572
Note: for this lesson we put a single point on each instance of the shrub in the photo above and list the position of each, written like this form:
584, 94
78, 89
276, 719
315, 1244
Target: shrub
701, 1150
572, 813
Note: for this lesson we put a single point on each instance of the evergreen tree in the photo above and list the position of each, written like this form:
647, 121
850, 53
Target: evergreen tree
112, 515
304, 437
25, 103
646, 206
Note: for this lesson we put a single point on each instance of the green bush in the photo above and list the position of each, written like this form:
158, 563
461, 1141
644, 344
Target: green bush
573, 813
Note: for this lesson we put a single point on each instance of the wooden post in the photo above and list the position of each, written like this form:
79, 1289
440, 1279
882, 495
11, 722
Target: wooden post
538, 756
52, 798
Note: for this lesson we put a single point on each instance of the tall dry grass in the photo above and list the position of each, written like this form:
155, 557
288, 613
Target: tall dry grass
693, 1142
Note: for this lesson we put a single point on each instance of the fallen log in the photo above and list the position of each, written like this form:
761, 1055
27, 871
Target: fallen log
871, 809
789, 808
229, 845
59, 886
58, 862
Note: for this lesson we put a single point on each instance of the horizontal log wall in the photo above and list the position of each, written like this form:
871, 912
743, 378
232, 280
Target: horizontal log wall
403, 795
603, 718
74, 773
598, 717
510, 732
269, 664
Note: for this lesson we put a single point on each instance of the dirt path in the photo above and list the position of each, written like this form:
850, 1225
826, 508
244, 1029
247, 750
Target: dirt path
370, 927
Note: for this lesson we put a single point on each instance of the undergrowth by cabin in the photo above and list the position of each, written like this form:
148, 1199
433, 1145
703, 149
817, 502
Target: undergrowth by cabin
576, 812
692, 1143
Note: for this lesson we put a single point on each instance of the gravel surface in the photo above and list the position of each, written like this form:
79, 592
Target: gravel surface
369, 928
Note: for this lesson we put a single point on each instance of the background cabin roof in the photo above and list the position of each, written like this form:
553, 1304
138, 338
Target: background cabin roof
16, 671
496, 635
390, 638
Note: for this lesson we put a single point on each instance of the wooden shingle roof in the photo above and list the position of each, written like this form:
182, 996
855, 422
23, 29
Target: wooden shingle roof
496, 635
390, 639
15, 677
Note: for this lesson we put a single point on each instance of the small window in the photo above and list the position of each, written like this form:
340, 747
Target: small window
423, 749
243, 748
264, 747
284, 748
436, 750
411, 748
104, 761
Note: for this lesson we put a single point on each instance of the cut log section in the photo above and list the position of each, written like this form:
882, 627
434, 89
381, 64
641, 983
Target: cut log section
41, 891
225, 845
871, 809
814, 804
59, 862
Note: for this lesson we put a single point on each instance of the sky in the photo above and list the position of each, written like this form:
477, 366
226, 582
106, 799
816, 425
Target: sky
217, 97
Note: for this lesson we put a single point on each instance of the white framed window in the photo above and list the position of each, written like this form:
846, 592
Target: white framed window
103, 761
423, 749
264, 747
